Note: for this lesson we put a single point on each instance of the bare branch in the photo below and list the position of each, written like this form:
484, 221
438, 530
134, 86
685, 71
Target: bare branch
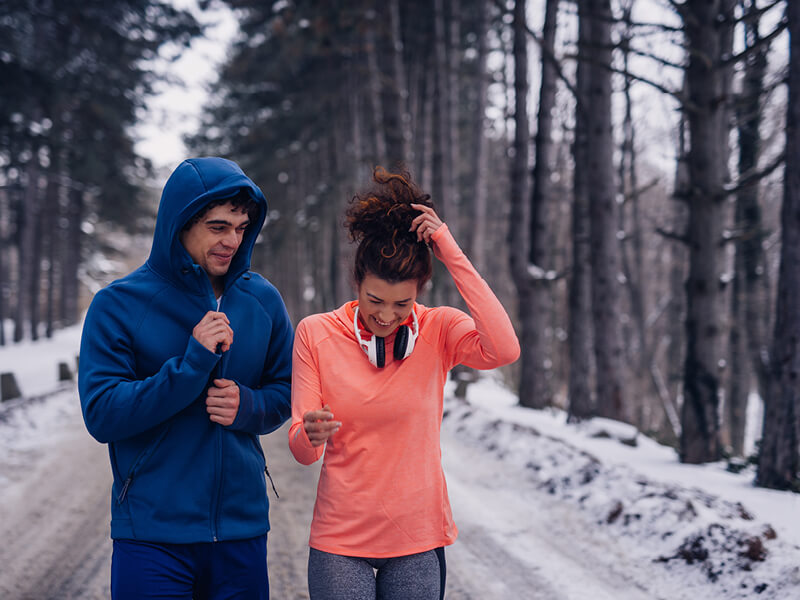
641, 189
660, 87
683, 238
642, 53
545, 52
757, 47
757, 13
752, 177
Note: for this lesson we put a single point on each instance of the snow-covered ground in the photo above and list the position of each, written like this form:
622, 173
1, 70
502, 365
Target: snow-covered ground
35, 364
587, 506
687, 531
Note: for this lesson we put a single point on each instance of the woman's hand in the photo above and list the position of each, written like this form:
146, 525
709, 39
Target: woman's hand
426, 223
319, 425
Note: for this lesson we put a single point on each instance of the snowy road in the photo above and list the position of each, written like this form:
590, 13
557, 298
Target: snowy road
514, 543
54, 505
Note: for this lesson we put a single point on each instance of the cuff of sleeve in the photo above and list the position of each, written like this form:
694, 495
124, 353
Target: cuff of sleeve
301, 446
442, 230
199, 356
245, 411
444, 244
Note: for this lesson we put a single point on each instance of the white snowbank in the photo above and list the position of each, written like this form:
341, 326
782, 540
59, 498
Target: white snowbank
712, 531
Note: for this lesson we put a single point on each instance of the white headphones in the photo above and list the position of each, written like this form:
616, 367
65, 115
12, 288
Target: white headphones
376, 350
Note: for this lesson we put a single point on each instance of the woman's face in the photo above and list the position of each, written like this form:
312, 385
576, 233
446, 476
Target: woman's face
384, 306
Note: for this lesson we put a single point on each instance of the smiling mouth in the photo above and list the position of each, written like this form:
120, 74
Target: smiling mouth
381, 323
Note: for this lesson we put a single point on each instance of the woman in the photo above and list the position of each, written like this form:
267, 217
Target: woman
367, 388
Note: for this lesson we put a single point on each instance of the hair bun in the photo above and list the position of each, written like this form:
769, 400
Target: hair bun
384, 210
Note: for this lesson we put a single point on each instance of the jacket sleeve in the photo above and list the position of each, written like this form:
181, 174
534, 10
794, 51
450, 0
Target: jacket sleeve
265, 408
306, 396
116, 404
486, 339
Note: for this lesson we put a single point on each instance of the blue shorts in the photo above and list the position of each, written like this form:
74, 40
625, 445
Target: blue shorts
201, 571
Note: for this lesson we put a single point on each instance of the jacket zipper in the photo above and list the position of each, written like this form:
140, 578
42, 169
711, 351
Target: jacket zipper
272, 483
139, 460
215, 502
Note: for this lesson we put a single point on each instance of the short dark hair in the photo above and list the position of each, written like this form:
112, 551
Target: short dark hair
242, 201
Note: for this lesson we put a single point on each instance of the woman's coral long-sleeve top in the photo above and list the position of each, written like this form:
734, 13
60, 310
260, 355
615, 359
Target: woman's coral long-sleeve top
382, 491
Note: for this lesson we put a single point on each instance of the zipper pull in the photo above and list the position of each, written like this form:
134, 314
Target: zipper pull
266, 472
124, 491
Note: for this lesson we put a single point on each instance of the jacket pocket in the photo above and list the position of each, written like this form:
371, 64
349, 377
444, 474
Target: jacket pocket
141, 460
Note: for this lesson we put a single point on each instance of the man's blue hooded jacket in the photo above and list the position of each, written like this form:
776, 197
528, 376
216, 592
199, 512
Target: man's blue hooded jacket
179, 477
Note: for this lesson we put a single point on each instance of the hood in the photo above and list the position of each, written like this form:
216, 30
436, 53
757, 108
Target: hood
192, 185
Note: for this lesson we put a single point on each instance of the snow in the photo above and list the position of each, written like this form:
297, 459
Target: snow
35, 364
596, 509
699, 531
27, 424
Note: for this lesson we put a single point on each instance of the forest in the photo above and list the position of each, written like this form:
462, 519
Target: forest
624, 173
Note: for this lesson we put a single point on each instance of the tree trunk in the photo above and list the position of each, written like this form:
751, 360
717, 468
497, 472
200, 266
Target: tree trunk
579, 327
678, 263
27, 245
427, 131
442, 166
606, 290
453, 145
396, 118
535, 385
34, 297
375, 96
518, 231
749, 299
51, 238
779, 460
72, 258
708, 27
476, 240
642, 388
4, 284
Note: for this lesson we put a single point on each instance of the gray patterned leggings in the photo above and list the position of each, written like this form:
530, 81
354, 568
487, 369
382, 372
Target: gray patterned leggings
413, 577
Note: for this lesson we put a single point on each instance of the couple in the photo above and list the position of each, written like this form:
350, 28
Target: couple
188, 359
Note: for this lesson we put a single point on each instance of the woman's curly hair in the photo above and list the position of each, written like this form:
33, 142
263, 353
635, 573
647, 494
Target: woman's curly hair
379, 220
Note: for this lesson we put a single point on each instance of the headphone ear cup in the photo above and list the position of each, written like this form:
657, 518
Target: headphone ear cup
380, 352
401, 342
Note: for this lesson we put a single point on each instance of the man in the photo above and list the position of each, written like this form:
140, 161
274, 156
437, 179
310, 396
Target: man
184, 362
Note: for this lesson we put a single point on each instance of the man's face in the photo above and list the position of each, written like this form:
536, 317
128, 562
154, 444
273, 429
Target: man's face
213, 241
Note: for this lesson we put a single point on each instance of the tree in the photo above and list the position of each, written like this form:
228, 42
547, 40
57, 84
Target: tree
75, 77
580, 327
708, 28
595, 106
309, 79
517, 231
531, 275
779, 458
749, 320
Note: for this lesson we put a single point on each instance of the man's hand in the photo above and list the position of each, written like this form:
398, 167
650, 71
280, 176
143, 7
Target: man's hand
214, 331
222, 402
319, 425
